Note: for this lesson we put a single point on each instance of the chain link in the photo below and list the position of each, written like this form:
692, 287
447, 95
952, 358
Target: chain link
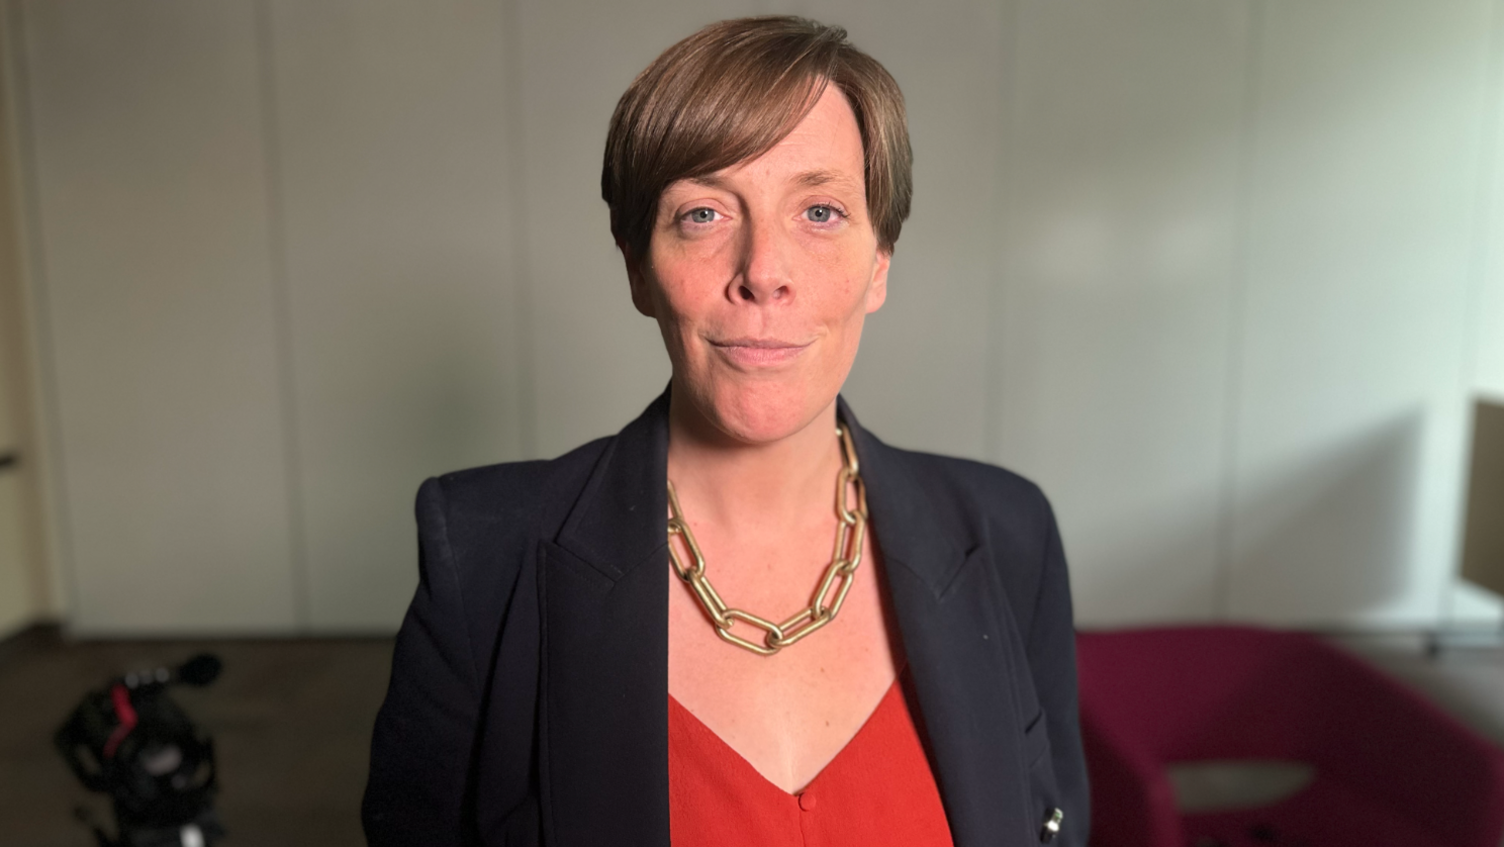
839, 575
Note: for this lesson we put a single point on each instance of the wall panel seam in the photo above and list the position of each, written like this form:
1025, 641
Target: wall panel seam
993, 371
276, 228
513, 88
1236, 307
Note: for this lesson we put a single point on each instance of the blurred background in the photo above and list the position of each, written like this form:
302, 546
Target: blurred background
1225, 277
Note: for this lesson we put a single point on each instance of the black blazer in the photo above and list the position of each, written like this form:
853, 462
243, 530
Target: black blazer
529, 695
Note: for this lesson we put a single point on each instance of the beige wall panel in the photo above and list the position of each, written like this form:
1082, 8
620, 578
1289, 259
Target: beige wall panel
149, 169
1483, 541
1112, 330
921, 379
397, 223
596, 362
1350, 420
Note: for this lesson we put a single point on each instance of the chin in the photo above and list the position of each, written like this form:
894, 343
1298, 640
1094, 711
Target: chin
764, 411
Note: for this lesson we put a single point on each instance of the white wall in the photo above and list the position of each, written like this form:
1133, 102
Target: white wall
151, 172
1485, 304
395, 204
1220, 274
18, 594
20, 601
1351, 412
1113, 319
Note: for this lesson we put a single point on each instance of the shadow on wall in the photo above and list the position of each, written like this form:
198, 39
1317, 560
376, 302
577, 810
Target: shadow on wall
1152, 562
1329, 537
419, 380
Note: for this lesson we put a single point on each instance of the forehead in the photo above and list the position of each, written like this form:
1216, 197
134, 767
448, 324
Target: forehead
823, 149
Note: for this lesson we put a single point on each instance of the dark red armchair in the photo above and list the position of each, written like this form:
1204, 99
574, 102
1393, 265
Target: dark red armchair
1390, 768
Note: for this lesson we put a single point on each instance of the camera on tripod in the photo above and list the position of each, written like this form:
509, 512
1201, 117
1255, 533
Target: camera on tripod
131, 741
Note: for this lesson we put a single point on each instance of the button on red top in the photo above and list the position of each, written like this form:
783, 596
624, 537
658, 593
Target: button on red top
877, 791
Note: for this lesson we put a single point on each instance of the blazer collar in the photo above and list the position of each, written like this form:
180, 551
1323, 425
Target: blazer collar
618, 521
615, 525
903, 516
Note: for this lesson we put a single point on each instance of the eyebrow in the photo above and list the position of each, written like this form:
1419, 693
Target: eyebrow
814, 179
808, 179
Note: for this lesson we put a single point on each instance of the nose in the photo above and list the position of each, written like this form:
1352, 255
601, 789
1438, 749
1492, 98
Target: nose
766, 268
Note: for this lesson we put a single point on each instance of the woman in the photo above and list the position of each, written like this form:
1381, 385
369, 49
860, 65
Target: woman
650, 638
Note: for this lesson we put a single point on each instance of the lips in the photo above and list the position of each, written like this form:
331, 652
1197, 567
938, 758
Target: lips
759, 352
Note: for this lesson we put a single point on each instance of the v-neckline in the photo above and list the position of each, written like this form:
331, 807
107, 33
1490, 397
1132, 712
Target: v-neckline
895, 688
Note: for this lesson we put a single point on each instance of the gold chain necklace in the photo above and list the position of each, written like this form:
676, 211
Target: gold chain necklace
847, 557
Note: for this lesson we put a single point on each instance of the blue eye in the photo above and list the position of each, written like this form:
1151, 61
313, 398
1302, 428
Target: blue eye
701, 215
819, 214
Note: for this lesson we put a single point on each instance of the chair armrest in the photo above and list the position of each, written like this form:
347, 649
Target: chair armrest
1390, 741
1132, 802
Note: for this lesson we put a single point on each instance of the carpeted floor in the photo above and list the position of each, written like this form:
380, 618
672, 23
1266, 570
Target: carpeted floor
291, 722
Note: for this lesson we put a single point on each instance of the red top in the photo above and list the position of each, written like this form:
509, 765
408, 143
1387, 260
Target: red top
877, 791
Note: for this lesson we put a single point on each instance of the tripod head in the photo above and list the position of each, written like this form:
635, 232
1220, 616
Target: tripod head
131, 741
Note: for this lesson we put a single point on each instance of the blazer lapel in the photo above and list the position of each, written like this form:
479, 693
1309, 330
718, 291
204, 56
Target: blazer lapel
603, 585
959, 644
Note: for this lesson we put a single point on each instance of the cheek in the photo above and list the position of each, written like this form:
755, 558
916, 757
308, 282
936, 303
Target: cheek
683, 297
688, 274
845, 292
684, 302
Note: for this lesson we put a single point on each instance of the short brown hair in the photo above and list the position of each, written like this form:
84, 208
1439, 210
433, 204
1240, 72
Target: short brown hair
732, 91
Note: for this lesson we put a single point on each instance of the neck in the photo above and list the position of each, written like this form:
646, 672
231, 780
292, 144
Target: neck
729, 479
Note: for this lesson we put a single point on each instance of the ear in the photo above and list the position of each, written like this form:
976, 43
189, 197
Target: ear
877, 292
642, 298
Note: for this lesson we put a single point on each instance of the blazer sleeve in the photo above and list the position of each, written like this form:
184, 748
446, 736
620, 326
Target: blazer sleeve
1052, 661
422, 744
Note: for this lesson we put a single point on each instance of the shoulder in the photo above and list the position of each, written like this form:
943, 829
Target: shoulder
499, 507
997, 497
510, 486
995, 515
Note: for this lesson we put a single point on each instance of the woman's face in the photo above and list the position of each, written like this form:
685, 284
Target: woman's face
760, 276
